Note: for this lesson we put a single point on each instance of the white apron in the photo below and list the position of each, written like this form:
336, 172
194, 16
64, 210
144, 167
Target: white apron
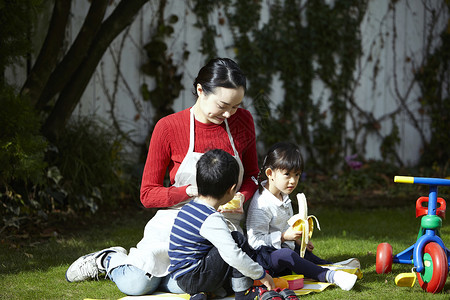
151, 253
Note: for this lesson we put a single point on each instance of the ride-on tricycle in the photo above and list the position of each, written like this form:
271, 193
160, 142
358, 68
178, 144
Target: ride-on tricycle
428, 254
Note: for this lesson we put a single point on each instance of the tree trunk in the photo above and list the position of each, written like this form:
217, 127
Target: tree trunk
70, 95
77, 52
50, 51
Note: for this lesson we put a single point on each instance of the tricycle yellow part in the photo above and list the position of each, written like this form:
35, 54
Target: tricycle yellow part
404, 179
405, 279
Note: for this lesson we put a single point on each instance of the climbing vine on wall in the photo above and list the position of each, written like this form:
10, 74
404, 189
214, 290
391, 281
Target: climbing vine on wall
434, 82
301, 42
313, 48
161, 67
202, 9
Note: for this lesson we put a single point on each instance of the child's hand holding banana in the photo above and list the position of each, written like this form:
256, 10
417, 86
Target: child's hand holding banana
291, 234
304, 224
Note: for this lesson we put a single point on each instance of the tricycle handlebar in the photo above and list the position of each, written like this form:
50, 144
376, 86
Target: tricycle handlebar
421, 180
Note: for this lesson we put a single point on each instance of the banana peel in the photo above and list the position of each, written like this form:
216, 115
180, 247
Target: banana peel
304, 223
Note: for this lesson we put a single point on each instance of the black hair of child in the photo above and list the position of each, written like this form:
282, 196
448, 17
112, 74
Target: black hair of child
217, 171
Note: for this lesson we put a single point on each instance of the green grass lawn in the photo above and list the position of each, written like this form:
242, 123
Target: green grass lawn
34, 268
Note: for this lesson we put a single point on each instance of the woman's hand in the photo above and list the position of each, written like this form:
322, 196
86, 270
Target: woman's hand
268, 282
192, 191
291, 235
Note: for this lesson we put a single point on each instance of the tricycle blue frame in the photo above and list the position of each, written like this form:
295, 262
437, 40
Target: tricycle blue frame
429, 255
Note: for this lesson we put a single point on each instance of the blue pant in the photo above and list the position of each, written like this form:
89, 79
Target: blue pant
285, 260
213, 272
135, 282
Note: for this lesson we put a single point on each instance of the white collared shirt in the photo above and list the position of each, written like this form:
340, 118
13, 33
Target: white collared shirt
267, 218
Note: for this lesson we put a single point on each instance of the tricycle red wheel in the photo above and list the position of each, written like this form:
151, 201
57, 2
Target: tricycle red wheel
384, 258
432, 278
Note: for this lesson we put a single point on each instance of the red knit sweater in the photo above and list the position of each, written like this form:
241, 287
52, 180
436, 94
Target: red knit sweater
170, 142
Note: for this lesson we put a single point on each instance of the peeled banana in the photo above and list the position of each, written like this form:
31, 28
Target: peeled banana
302, 222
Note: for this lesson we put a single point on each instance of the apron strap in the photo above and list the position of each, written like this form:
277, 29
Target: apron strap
191, 131
231, 139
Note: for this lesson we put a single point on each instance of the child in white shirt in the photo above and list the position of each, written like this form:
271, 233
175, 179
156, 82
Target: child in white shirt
271, 208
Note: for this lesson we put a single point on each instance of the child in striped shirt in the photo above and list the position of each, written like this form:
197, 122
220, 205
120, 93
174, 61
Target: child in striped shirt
204, 253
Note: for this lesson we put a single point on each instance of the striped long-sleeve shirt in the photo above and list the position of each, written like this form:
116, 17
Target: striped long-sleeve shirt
199, 227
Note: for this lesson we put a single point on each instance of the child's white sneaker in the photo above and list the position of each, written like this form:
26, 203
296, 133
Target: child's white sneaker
344, 280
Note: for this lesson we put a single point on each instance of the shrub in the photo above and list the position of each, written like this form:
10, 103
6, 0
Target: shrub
93, 167
22, 150
85, 169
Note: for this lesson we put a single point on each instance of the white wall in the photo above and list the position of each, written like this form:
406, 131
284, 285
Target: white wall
374, 94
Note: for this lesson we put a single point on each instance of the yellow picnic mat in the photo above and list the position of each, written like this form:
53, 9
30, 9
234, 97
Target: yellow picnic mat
312, 286
309, 286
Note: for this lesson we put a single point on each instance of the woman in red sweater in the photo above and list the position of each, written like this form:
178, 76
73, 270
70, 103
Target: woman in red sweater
216, 110
178, 140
